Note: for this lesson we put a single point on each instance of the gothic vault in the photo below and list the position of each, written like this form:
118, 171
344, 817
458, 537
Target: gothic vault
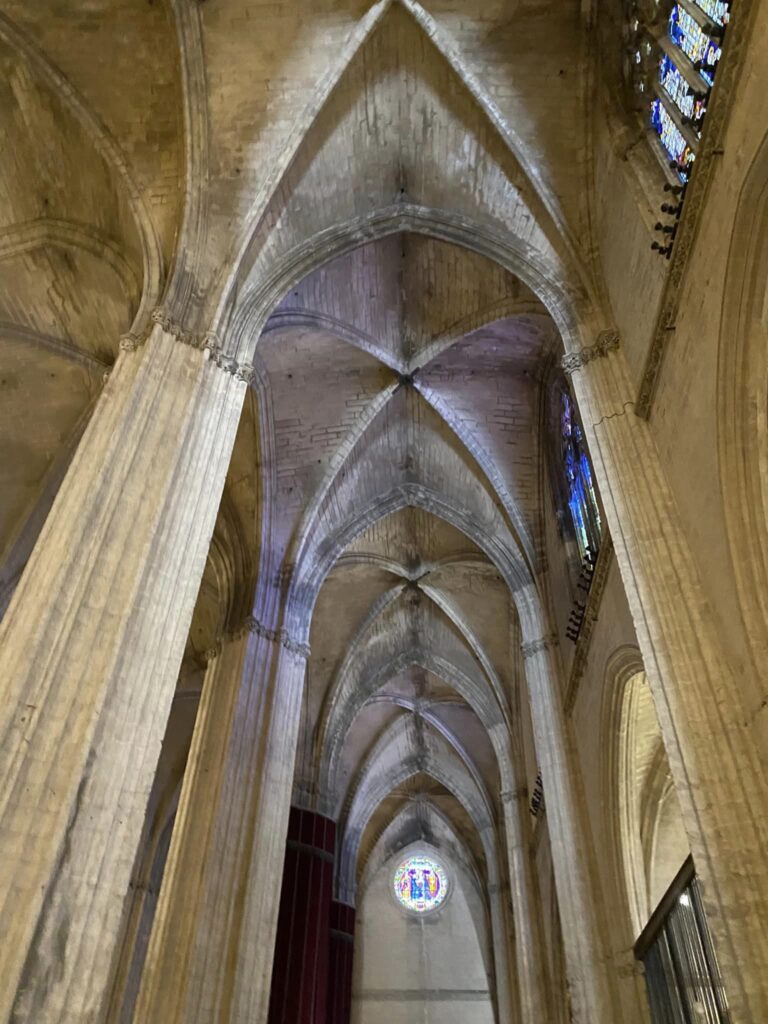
383, 512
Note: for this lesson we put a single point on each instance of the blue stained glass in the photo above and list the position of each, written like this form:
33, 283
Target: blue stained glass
582, 499
672, 139
685, 32
718, 11
676, 87
586, 471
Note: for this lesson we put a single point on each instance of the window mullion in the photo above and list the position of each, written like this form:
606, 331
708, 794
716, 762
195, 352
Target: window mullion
674, 113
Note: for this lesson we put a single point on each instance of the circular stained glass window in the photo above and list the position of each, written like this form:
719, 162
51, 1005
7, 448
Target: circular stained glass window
420, 884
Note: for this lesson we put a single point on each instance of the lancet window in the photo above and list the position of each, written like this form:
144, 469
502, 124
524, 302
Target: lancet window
672, 54
580, 490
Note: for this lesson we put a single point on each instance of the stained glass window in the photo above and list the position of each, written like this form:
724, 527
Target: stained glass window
671, 57
672, 139
420, 884
677, 88
581, 494
717, 10
686, 33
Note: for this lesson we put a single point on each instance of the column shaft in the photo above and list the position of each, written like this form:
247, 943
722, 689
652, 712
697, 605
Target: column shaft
718, 774
340, 963
90, 649
527, 911
588, 978
300, 974
210, 955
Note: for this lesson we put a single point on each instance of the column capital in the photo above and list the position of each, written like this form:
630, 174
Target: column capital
508, 796
251, 625
607, 341
548, 642
207, 342
276, 636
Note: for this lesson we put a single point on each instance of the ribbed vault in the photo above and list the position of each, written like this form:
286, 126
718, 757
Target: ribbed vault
405, 387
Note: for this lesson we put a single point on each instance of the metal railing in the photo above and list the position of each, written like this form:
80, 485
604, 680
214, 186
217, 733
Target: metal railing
675, 947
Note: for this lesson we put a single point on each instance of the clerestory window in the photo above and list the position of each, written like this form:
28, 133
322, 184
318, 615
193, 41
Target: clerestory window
672, 55
581, 494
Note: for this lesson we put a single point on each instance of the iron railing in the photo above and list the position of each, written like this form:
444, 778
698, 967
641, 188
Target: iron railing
681, 971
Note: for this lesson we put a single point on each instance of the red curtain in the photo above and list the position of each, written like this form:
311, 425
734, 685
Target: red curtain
340, 964
301, 966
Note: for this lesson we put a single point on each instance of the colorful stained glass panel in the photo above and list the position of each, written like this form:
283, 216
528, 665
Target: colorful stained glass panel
420, 884
672, 139
676, 87
582, 498
685, 32
718, 11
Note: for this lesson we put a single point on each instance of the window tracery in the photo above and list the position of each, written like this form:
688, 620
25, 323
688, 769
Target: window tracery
673, 51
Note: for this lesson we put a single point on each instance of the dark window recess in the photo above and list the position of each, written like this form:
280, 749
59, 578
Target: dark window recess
681, 971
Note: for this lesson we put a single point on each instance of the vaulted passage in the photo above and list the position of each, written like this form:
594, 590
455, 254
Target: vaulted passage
383, 512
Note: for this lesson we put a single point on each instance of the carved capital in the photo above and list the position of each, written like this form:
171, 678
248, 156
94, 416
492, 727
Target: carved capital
177, 330
510, 796
213, 652
543, 643
240, 371
277, 636
131, 342
607, 341
251, 625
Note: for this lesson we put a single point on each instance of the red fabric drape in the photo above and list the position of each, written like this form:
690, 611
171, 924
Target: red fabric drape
300, 973
340, 964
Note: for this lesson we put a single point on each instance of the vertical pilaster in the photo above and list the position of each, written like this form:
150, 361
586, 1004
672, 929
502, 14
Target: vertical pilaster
300, 975
341, 949
588, 977
719, 777
90, 649
210, 955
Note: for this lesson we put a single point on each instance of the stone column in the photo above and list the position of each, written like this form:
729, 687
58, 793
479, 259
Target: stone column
529, 955
210, 955
503, 955
592, 996
341, 951
90, 649
718, 774
300, 975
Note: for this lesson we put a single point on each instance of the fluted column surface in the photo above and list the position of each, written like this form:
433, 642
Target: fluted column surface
589, 983
719, 777
210, 955
526, 908
89, 655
